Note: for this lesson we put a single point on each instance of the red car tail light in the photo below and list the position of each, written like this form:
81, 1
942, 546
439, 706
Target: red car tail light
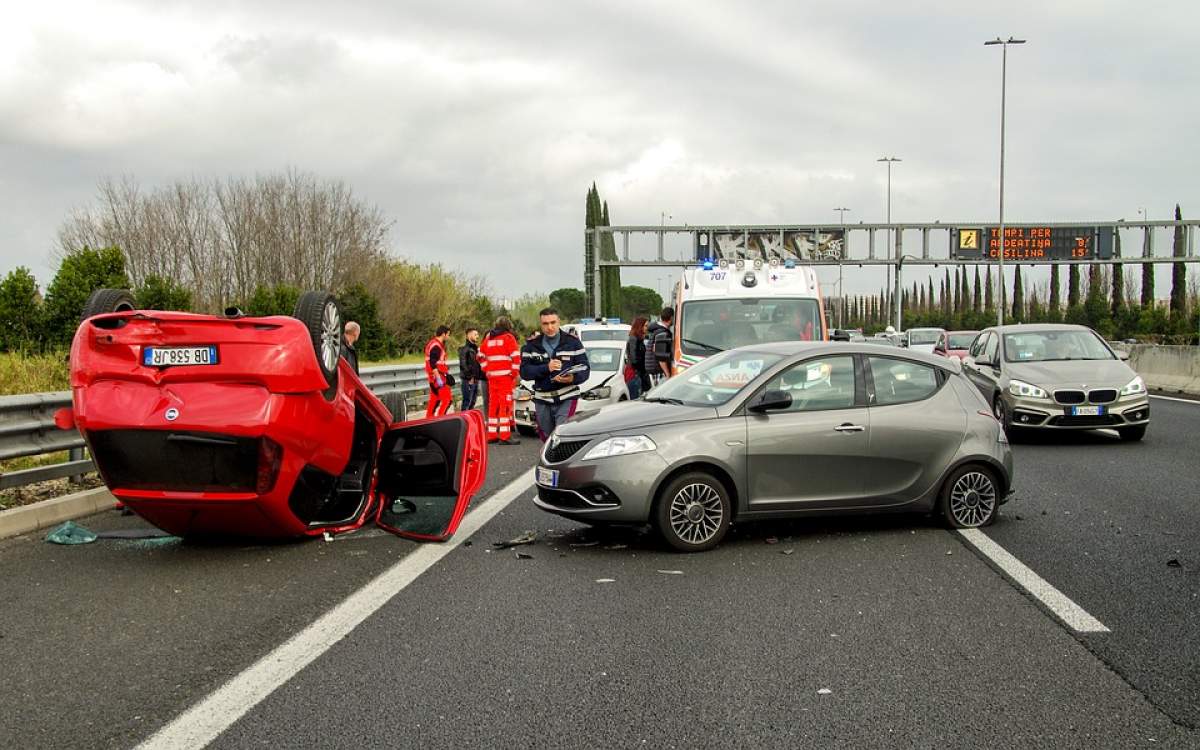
270, 456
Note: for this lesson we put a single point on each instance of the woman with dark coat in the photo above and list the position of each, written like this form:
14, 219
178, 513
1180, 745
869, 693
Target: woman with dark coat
635, 359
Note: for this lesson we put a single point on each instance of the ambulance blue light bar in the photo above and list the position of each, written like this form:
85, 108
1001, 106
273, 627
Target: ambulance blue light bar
707, 264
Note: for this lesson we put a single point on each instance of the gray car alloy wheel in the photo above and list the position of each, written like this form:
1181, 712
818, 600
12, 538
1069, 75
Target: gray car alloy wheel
696, 513
973, 499
331, 333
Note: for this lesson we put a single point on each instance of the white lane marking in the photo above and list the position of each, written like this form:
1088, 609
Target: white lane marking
206, 720
1180, 400
1074, 616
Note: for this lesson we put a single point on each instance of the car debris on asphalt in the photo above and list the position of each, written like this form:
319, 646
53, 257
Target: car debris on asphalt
529, 537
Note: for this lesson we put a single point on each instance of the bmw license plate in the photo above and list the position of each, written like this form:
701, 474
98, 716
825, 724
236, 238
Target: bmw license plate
169, 356
546, 477
1087, 411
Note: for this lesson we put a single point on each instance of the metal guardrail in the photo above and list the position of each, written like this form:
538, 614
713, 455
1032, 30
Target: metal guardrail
27, 422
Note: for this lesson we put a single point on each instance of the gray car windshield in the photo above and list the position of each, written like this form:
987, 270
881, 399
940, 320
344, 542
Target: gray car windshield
713, 325
962, 340
918, 337
1054, 346
715, 380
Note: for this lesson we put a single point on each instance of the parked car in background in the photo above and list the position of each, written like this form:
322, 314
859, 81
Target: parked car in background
783, 430
599, 330
922, 339
256, 426
1057, 377
954, 343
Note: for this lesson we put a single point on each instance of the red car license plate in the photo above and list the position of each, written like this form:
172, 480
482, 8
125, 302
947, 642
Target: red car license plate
170, 356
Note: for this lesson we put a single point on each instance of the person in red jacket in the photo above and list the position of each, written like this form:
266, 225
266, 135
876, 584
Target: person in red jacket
437, 369
500, 356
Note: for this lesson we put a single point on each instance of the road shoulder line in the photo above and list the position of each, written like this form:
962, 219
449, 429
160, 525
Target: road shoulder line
206, 720
1070, 613
1192, 401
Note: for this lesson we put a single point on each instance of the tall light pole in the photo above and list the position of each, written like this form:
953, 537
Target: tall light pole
841, 297
1003, 86
891, 235
663, 218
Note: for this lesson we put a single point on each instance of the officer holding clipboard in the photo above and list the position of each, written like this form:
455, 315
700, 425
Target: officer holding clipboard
556, 362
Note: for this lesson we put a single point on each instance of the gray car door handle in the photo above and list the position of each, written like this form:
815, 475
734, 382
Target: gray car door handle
847, 427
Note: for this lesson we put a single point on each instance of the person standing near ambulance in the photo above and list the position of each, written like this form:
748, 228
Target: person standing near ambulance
500, 357
555, 361
437, 369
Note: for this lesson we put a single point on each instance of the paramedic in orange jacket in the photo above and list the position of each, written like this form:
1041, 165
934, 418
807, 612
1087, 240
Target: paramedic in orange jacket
437, 369
500, 356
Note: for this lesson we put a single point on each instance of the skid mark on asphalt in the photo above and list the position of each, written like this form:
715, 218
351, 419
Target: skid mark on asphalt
205, 721
1070, 613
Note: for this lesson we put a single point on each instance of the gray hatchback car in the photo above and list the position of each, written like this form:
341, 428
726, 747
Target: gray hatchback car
779, 431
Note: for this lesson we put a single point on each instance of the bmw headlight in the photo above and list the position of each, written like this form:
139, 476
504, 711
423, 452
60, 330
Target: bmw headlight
1135, 387
1025, 390
620, 446
602, 392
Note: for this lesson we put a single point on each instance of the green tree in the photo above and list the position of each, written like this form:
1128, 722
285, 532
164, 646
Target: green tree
639, 300
1054, 307
20, 311
989, 293
610, 276
1018, 298
272, 300
157, 293
1179, 272
977, 298
1096, 306
81, 273
1073, 286
374, 341
569, 303
1117, 295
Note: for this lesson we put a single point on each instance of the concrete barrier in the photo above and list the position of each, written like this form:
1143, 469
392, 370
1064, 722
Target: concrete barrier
1174, 369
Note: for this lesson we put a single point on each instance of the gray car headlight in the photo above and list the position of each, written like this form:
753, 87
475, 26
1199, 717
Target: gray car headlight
598, 393
1135, 387
1025, 390
621, 446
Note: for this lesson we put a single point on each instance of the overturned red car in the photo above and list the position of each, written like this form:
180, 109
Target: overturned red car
256, 426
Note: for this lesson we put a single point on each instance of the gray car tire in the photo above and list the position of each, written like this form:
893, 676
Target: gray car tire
693, 512
1001, 413
970, 497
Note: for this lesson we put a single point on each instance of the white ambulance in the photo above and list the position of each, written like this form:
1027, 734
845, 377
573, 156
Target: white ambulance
725, 305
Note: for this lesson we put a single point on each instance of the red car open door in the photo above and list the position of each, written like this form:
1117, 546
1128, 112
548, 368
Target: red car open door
428, 472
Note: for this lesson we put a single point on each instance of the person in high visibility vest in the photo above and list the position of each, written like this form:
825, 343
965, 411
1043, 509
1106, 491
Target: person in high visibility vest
437, 369
500, 357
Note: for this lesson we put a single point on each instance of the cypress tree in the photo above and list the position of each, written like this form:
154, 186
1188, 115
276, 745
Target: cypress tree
611, 276
964, 297
977, 301
1072, 286
989, 292
931, 300
1118, 281
589, 252
1018, 306
947, 298
1055, 283
1147, 274
1179, 271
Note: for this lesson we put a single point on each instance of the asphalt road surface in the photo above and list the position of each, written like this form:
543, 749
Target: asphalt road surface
843, 632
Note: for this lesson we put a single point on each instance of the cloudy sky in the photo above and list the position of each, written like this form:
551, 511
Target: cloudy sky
477, 127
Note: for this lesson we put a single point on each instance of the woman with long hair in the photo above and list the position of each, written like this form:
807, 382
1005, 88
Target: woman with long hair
635, 359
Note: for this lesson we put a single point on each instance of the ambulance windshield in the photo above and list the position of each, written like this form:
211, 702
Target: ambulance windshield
710, 326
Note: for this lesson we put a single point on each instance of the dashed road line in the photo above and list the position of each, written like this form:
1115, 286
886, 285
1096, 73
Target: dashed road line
1072, 615
206, 720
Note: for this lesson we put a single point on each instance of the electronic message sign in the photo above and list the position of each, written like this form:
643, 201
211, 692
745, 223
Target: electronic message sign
1032, 244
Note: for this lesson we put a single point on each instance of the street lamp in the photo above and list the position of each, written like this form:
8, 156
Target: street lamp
663, 218
841, 298
891, 234
1003, 86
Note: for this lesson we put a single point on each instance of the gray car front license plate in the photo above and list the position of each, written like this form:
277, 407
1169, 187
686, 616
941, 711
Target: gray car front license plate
546, 477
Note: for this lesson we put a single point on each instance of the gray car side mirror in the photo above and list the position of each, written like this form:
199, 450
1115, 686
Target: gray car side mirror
771, 401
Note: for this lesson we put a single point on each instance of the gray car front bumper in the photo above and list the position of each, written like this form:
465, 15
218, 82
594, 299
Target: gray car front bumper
617, 489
